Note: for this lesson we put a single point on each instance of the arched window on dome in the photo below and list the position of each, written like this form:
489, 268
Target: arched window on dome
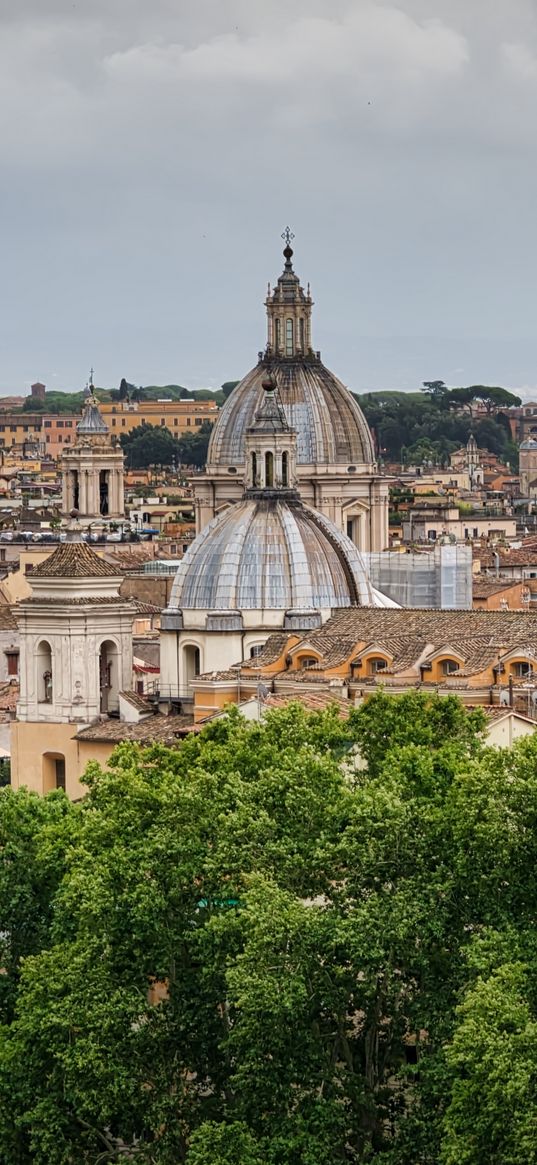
285, 469
269, 470
254, 469
288, 337
301, 333
278, 334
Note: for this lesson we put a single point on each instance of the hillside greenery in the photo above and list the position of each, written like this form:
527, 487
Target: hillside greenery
245, 951
425, 427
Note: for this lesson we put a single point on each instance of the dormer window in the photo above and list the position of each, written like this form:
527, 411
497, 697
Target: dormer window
376, 664
449, 666
521, 669
308, 661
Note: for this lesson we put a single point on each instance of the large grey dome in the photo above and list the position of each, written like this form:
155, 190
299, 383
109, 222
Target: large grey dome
330, 426
271, 554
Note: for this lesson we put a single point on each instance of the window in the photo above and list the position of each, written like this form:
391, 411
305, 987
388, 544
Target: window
301, 333
308, 661
60, 772
13, 428
12, 660
269, 470
256, 650
288, 337
188, 420
113, 422
60, 438
123, 422
3, 554
59, 424
285, 469
68, 424
278, 337
198, 421
175, 421
449, 666
254, 469
521, 668
47, 424
377, 664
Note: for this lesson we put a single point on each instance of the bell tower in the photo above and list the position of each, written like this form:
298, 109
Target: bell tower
288, 311
75, 660
92, 468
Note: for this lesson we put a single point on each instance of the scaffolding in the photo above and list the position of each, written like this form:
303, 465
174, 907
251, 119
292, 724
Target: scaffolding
439, 578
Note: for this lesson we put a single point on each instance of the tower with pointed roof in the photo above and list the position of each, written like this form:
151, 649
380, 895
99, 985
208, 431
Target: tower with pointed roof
75, 660
92, 468
335, 459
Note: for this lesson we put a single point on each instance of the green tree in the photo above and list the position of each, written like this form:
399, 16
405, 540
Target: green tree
192, 447
347, 953
492, 1115
149, 445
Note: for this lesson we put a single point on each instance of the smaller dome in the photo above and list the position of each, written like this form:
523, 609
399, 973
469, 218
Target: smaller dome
529, 443
92, 421
272, 554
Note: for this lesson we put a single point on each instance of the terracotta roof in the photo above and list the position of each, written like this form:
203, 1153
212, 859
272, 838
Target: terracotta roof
524, 556
128, 559
74, 560
313, 701
271, 652
157, 728
145, 608
230, 673
483, 587
137, 701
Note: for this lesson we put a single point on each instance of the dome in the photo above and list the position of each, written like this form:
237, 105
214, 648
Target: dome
529, 443
330, 426
271, 554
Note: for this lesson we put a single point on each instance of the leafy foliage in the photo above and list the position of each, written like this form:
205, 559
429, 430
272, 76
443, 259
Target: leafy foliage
245, 952
418, 428
156, 445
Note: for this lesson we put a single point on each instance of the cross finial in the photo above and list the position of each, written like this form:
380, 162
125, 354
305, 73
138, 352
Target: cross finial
91, 378
287, 236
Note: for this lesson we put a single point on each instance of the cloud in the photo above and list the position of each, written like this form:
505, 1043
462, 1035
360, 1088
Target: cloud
151, 154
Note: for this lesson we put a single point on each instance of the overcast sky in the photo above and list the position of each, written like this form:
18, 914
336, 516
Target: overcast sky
152, 152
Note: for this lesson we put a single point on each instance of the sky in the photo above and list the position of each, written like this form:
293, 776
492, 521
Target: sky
152, 153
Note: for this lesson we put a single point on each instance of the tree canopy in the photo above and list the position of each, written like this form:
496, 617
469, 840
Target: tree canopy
417, 428
156, 445
281, 943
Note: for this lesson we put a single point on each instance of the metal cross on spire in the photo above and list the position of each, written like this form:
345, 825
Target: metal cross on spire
287, 236
91, 378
